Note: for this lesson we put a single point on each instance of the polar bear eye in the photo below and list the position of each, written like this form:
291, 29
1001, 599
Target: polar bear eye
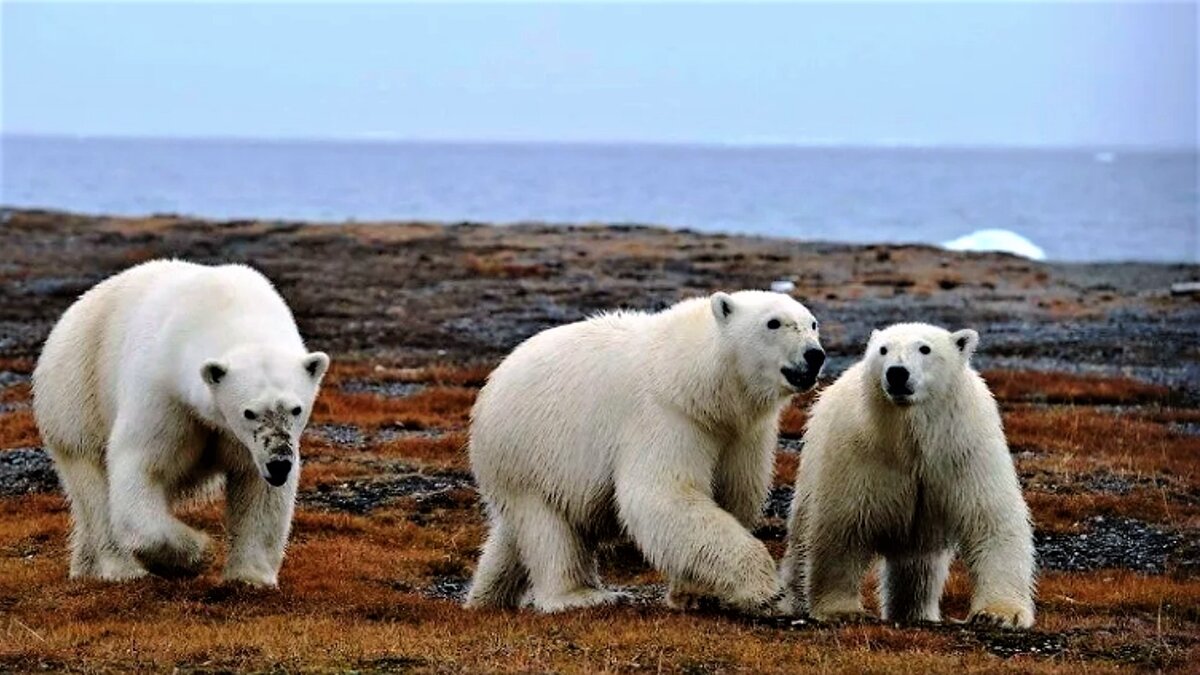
883, 351
773, 324
249, 414
296, 411
925, 349
814, 325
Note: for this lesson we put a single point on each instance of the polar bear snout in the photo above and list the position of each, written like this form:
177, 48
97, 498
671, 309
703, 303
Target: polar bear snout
278, 470
803, 376
814, 359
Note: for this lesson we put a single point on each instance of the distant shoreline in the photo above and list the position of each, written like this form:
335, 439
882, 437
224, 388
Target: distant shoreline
832, 145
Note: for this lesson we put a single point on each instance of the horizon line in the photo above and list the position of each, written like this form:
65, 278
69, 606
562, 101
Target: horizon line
813, 144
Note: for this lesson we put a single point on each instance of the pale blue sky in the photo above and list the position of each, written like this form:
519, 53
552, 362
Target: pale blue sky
937, 74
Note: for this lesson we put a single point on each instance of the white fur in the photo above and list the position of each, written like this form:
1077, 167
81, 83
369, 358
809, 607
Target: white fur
662, 425
912, 480
134, 424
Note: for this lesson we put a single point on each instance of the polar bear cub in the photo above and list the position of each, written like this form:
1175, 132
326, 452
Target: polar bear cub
157, 381
661, 425
904, 457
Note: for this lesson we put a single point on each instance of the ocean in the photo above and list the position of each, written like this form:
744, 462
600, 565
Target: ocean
1076, 205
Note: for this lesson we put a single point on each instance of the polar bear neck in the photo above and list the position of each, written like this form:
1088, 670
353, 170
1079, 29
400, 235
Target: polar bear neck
690, 366
944, 423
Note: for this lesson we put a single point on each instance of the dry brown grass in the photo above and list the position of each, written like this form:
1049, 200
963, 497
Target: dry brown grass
352, 591
432, 408
18, 430
1079, 438
1027, 386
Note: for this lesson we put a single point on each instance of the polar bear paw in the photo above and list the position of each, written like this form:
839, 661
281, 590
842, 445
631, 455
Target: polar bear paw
1003, 614
250, 577
182, 555
849, 610
578, 599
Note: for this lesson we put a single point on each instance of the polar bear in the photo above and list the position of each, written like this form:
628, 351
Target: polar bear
905, 457
662, 425
157, 381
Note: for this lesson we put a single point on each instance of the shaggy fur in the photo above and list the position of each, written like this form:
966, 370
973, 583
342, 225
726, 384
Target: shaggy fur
661, 425
144, 394
910, 471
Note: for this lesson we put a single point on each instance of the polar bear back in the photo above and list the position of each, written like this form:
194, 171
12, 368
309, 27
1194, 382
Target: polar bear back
552, 412
144, 333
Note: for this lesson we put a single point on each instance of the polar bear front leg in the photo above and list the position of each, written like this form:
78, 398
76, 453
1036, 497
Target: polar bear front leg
910, 587
683, 533
259, 518
94, 551
835, 566
141, 513
1001, 565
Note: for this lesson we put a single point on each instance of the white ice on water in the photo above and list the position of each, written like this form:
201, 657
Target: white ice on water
1004, 241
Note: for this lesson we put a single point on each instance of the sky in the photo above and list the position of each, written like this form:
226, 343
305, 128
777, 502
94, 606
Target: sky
1003, 74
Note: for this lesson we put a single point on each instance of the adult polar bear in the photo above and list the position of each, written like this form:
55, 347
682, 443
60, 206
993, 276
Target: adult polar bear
664, 424
157, 380
905, 456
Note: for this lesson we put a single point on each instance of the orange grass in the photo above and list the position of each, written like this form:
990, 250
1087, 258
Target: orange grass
433, 408
1009, 385
1083, 438
351, 593
18, 430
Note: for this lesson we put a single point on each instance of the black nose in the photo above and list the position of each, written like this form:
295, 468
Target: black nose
897, 376
278, 470
814, 358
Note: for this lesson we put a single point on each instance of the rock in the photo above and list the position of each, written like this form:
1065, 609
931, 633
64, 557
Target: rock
26, 471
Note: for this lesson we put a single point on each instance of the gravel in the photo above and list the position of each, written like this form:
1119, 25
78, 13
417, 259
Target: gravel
8, 378
386, 389
26, 471
362, 496
347, 435
1108, 542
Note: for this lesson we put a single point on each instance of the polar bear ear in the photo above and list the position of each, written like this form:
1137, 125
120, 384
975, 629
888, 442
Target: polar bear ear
213, 372
315, 364
722, 306
965, 340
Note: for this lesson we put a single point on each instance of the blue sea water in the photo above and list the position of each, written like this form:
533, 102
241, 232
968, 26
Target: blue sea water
1078, 205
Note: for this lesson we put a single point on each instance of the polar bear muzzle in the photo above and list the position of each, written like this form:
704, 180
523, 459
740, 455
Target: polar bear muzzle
278, 470
804, 376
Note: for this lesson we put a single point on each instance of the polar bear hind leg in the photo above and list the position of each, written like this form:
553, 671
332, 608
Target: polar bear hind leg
501, 579
910, 587
562, 571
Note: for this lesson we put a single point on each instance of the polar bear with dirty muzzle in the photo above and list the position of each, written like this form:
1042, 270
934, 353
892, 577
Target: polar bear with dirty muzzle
154, 384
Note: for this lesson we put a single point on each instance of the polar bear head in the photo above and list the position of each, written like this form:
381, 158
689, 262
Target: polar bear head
915, 362
773, 341
264, 396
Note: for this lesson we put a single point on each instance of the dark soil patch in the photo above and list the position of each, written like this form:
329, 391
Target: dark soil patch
346, 435
362, 496
8, 378
1120, 543
382, 388
1103, 482
448, 587
26, 471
